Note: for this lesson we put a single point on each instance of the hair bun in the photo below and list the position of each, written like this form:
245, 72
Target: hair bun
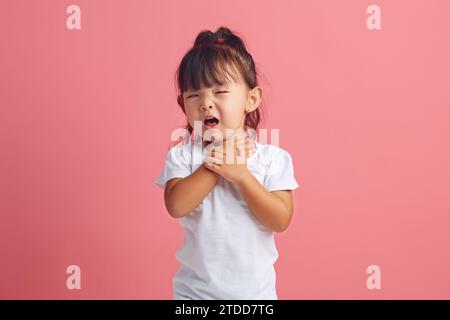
223, 35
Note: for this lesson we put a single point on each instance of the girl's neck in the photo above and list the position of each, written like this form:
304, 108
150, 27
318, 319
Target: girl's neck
206, 143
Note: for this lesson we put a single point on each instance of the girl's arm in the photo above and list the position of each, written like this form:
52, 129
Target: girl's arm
181, 195
272, 209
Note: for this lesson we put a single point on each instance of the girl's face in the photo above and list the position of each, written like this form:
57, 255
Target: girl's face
227, 103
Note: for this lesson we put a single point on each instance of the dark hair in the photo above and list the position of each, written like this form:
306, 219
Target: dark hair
211, 62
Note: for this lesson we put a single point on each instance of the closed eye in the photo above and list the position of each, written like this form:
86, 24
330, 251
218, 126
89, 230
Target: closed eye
194, 94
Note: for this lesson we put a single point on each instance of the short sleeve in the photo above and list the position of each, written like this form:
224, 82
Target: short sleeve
177, 165
280, 173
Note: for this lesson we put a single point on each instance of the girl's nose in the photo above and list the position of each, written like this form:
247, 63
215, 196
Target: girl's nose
206, 107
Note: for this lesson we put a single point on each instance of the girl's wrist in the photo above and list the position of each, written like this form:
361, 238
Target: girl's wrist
244, 178
215, 174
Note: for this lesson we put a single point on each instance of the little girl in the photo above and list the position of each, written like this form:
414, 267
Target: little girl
229, 210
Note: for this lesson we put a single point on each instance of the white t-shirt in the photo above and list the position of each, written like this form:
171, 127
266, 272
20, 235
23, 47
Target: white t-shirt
227, 253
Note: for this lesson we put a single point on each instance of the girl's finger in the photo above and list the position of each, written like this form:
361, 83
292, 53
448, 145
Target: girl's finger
239, 147
219, 158
250, 149
235, 136
209, 160
213, 160
241, 144
217, 151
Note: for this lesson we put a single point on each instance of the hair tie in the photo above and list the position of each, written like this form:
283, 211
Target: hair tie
206, 44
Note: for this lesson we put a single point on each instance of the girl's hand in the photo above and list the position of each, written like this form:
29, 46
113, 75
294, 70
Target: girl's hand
229, 157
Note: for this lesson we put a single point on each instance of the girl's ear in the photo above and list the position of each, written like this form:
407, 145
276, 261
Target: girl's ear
254, 99
181, 103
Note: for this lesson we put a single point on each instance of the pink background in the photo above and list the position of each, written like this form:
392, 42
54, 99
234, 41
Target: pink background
86, 117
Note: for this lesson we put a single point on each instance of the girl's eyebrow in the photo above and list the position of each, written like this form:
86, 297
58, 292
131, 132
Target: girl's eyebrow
225, 86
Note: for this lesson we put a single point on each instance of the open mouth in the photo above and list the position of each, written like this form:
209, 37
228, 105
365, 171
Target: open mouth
211, 121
